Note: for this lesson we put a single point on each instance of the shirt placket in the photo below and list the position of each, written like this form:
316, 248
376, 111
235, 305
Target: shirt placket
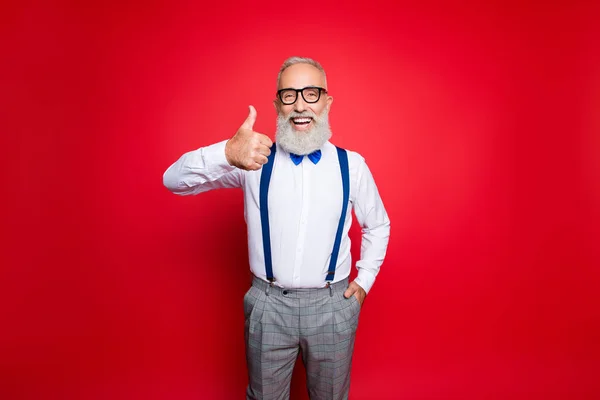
303, 223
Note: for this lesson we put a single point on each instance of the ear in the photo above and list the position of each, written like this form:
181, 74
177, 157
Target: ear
276, 105
329, 101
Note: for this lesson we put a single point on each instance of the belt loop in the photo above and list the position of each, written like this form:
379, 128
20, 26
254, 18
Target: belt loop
330, 289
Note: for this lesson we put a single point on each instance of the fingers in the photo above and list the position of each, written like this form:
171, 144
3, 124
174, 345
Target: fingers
354, 289
250, 154
254, 162
255, 166
264, 139
264, 150
251, 119
261, 159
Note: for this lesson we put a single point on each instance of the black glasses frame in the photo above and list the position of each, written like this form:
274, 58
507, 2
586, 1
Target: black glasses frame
301, 91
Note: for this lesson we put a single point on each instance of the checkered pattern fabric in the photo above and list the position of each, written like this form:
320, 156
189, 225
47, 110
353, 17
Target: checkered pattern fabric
320, 323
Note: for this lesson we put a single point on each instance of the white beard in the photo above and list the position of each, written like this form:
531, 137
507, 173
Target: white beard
303, 142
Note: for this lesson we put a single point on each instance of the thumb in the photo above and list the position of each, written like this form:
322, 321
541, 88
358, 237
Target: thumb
249, 122
349, 292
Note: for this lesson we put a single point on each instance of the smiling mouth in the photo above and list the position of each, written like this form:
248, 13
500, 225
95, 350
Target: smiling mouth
301, 121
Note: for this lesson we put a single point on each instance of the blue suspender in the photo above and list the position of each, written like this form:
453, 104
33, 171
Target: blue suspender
343, 158
265, 178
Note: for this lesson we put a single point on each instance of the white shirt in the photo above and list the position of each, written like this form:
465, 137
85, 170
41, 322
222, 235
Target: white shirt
305, 204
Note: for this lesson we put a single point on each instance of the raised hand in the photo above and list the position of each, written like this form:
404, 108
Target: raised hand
248, 149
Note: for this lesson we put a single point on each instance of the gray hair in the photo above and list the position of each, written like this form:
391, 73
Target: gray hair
300, 60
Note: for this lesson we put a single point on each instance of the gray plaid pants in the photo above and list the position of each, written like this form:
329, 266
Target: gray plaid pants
281, 322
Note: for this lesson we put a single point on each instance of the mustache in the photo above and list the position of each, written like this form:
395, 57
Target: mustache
304, 114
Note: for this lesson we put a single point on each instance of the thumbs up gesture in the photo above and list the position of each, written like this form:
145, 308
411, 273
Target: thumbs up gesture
248, 149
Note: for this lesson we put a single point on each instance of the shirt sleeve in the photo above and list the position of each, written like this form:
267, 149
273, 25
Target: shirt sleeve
202, 170
375, 224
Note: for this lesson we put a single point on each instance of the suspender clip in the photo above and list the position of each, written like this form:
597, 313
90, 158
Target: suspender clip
270, 285
330, 288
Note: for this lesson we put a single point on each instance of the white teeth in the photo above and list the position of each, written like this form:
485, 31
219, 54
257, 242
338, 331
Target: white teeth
301, 120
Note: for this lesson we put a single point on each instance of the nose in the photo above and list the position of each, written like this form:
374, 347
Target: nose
299, 105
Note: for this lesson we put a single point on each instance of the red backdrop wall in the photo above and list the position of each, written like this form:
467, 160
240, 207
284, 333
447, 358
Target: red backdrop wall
480, 123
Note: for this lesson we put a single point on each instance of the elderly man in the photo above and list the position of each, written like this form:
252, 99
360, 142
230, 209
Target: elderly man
299, 194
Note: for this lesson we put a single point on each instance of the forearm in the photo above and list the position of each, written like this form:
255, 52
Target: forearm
373, 249
201, 170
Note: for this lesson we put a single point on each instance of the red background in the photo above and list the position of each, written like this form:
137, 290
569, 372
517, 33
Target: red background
481, 126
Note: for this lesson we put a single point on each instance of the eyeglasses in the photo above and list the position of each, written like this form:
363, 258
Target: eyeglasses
310, 94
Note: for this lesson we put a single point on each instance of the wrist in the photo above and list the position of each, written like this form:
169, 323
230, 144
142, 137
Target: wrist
227, 153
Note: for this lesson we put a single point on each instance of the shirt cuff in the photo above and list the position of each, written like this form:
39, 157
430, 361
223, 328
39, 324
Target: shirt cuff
214, 155
365, 279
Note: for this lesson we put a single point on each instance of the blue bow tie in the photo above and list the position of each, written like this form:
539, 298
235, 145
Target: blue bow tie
315, 156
